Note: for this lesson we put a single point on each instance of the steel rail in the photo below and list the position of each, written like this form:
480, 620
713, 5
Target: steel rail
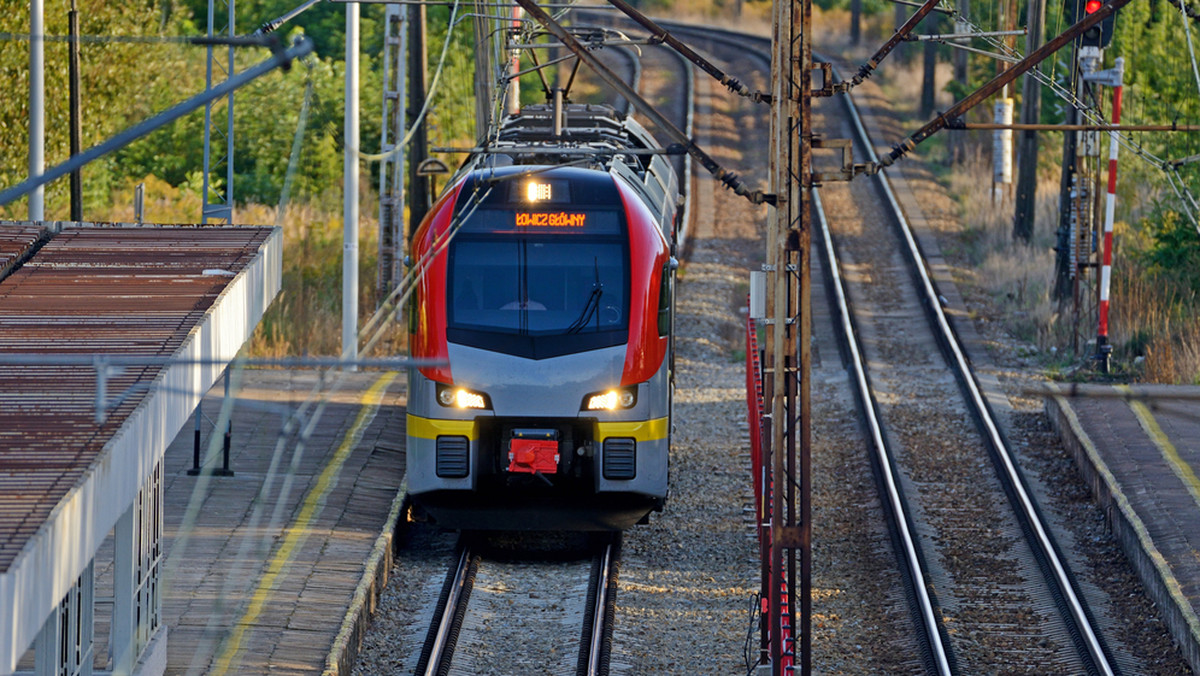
728, 178
689, 130
910, 556
1091, 647
635, 75
659, 33
599, 611
442, 647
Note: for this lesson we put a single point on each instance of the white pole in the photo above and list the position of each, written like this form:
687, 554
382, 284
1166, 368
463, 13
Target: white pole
350, 197
37, 107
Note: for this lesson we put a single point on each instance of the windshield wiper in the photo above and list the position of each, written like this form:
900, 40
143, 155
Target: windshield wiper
592, 306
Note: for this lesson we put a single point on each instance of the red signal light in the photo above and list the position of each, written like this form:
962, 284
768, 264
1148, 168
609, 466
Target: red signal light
1092, 6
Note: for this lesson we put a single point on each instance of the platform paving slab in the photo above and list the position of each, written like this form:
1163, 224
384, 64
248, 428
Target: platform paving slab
262, 568
1139, 450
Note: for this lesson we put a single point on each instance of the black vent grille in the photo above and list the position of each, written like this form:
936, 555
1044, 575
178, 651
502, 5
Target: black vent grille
620, 458
453, 457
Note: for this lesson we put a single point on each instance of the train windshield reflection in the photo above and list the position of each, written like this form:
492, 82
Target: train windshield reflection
538, 286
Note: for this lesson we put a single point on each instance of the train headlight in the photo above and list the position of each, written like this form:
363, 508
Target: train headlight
460, 397
625, 397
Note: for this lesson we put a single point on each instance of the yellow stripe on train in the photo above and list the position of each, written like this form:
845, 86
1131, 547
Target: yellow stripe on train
429, 428
641, 430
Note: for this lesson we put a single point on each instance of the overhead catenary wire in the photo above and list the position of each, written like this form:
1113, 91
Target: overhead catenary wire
1187, 200
255, 40
376, 327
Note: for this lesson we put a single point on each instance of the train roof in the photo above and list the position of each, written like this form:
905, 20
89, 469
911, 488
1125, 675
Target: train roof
594, 137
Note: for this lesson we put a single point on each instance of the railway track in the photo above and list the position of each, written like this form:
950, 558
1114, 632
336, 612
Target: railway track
505, 610
946, 473
987, 584
1004, 592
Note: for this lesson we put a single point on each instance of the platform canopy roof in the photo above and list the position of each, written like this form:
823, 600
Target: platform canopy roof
183, 300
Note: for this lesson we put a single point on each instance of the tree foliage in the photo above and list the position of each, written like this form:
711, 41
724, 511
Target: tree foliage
124, 84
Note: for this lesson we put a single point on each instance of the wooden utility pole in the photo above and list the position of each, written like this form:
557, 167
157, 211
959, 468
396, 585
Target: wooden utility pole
929, 73
1027, 142
418, 185
855, 22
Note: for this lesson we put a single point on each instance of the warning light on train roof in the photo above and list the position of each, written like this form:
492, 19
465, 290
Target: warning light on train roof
538, 192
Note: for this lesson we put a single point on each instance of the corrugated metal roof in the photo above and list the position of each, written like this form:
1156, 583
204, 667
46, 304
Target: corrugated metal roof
15, 242
92, 290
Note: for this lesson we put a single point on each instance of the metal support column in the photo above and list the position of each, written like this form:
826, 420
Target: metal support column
37, 105
218, 204
64, 646
391, 171
419, 199
789, 334
76, 112
350, 193
137, 566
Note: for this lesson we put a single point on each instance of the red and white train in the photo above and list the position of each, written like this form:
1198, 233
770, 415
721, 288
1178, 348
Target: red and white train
546, 290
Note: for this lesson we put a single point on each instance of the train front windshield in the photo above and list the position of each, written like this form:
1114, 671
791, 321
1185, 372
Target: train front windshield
539, 284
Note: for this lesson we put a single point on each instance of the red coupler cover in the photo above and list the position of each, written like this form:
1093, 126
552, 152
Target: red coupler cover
533, 455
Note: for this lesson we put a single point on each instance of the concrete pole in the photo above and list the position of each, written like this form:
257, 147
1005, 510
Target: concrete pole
350, 196
37, 106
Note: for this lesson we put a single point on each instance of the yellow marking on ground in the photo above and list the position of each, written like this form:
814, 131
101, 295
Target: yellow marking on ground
296, 534
1171, 454
1156, 558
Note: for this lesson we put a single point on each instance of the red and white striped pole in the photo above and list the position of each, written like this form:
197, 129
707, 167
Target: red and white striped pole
1115, 78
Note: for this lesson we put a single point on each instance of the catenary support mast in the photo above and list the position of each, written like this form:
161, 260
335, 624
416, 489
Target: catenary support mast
787, 346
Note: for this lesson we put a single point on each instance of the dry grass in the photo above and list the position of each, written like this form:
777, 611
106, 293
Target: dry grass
1152, 319
1153, 327
1018, 277
306, 318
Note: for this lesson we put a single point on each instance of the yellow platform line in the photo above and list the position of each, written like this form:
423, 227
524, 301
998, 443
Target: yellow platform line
1167, 576
1171, 454
298, 531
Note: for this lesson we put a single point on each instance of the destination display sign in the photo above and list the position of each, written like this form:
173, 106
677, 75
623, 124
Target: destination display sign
555, 219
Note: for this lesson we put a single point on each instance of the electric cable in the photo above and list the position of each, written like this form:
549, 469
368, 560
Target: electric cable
433, 85
1182, 191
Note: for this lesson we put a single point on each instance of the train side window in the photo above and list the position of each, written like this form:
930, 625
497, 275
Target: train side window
665, 294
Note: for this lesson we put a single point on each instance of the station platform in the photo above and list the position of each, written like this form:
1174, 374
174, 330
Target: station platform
276, 568
1139, 450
